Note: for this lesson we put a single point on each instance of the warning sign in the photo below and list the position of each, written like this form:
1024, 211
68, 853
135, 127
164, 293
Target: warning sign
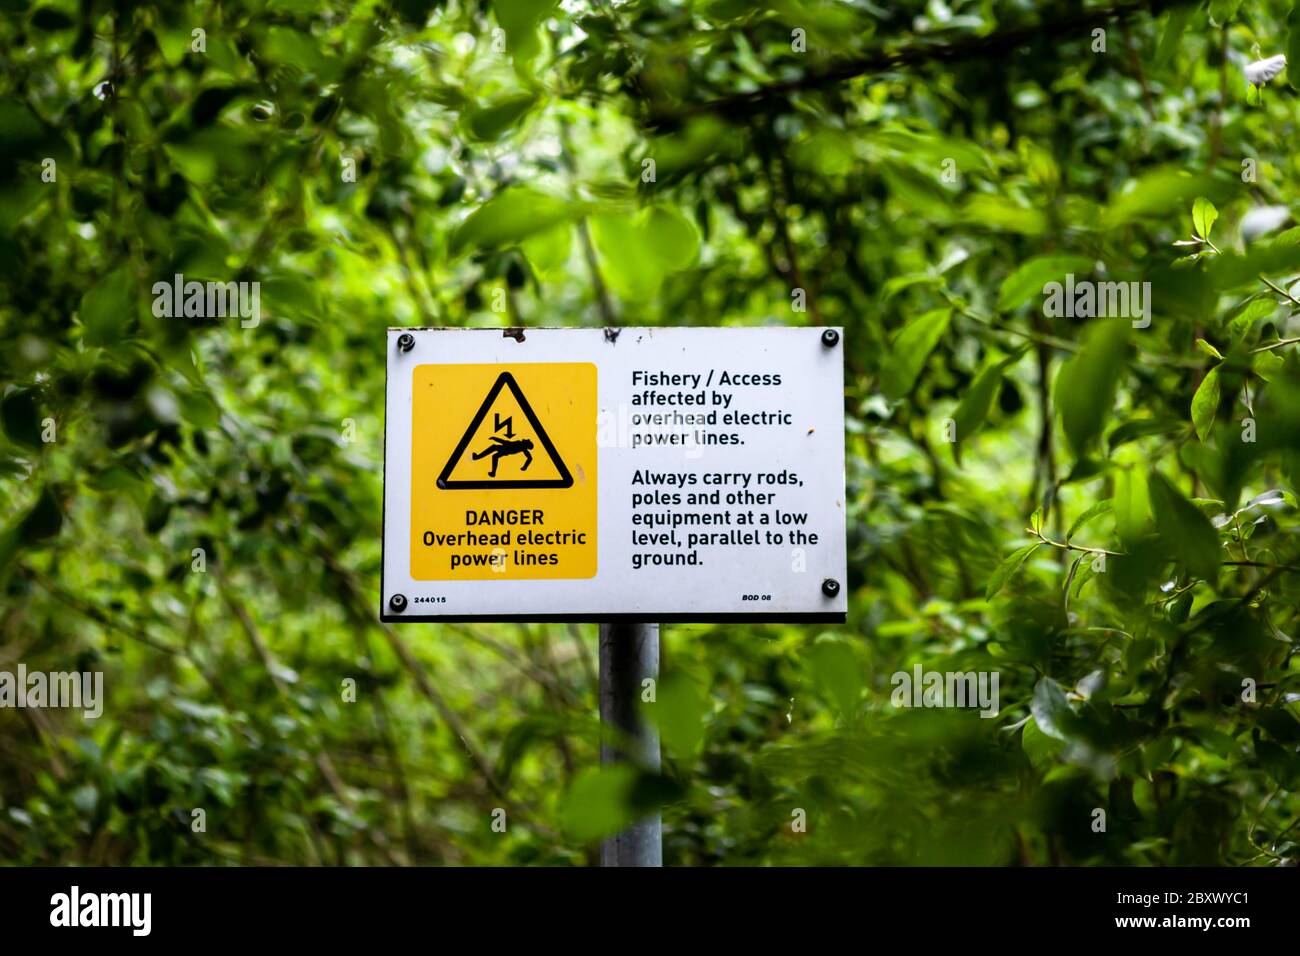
503, 472
656, 474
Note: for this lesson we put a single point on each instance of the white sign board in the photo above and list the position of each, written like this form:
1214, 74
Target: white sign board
665, 474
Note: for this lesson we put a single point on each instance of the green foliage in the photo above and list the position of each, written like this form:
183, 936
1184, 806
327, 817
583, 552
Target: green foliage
1009, 566
191, 505
679, 712
1187, 535
1204, 215
909, 350
510, 217
1027, 282
974, 408
1205, 403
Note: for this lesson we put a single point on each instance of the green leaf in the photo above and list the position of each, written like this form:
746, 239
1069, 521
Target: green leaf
917, 191
1267, 364
1086, 469
1029, 279
1205, 403
1171, 38
510, 217
520, 19
1000, 214
1132, 514
1222, 11
198, 408
910, 348
1051, 709
1100, 508
298, 49
1038, 746
974, 407
1085, 386
494, 119
1208, 349
1009, 566
627, 262
25, 137
294, 294
195, 163
975, 404
598, 802
1280, 763
1157, 193
678, 711
691, 147
42, 521
1280, 725
638, 251
1229, 270
1250, 313
1187, 535
670, 237
838, 672
548, 251
897, 284
1138, 428
106, 309
1203, 216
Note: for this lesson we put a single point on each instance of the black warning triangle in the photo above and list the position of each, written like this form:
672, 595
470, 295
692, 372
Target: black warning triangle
504, 380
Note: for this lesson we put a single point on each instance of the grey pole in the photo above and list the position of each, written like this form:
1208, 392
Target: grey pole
629, 653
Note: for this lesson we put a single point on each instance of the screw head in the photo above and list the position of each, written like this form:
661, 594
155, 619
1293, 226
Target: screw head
830, 587
830, 338
397, 602
406, 341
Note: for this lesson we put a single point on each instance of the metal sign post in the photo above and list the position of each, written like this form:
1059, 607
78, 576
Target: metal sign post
629, 655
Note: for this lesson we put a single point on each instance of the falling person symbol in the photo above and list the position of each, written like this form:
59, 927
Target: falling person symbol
502, 449
503, 414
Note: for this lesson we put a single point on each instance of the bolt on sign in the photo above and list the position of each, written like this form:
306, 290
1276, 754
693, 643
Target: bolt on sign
667, 474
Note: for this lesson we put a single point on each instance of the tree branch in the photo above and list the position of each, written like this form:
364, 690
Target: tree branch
991, 47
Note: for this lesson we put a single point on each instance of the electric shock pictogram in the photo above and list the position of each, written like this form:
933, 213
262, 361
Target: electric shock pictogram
504, 444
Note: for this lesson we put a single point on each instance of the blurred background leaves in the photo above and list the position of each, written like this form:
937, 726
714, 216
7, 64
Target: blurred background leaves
192, 506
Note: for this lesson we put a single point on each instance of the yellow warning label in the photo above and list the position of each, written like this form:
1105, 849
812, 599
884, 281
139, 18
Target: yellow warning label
503, 472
